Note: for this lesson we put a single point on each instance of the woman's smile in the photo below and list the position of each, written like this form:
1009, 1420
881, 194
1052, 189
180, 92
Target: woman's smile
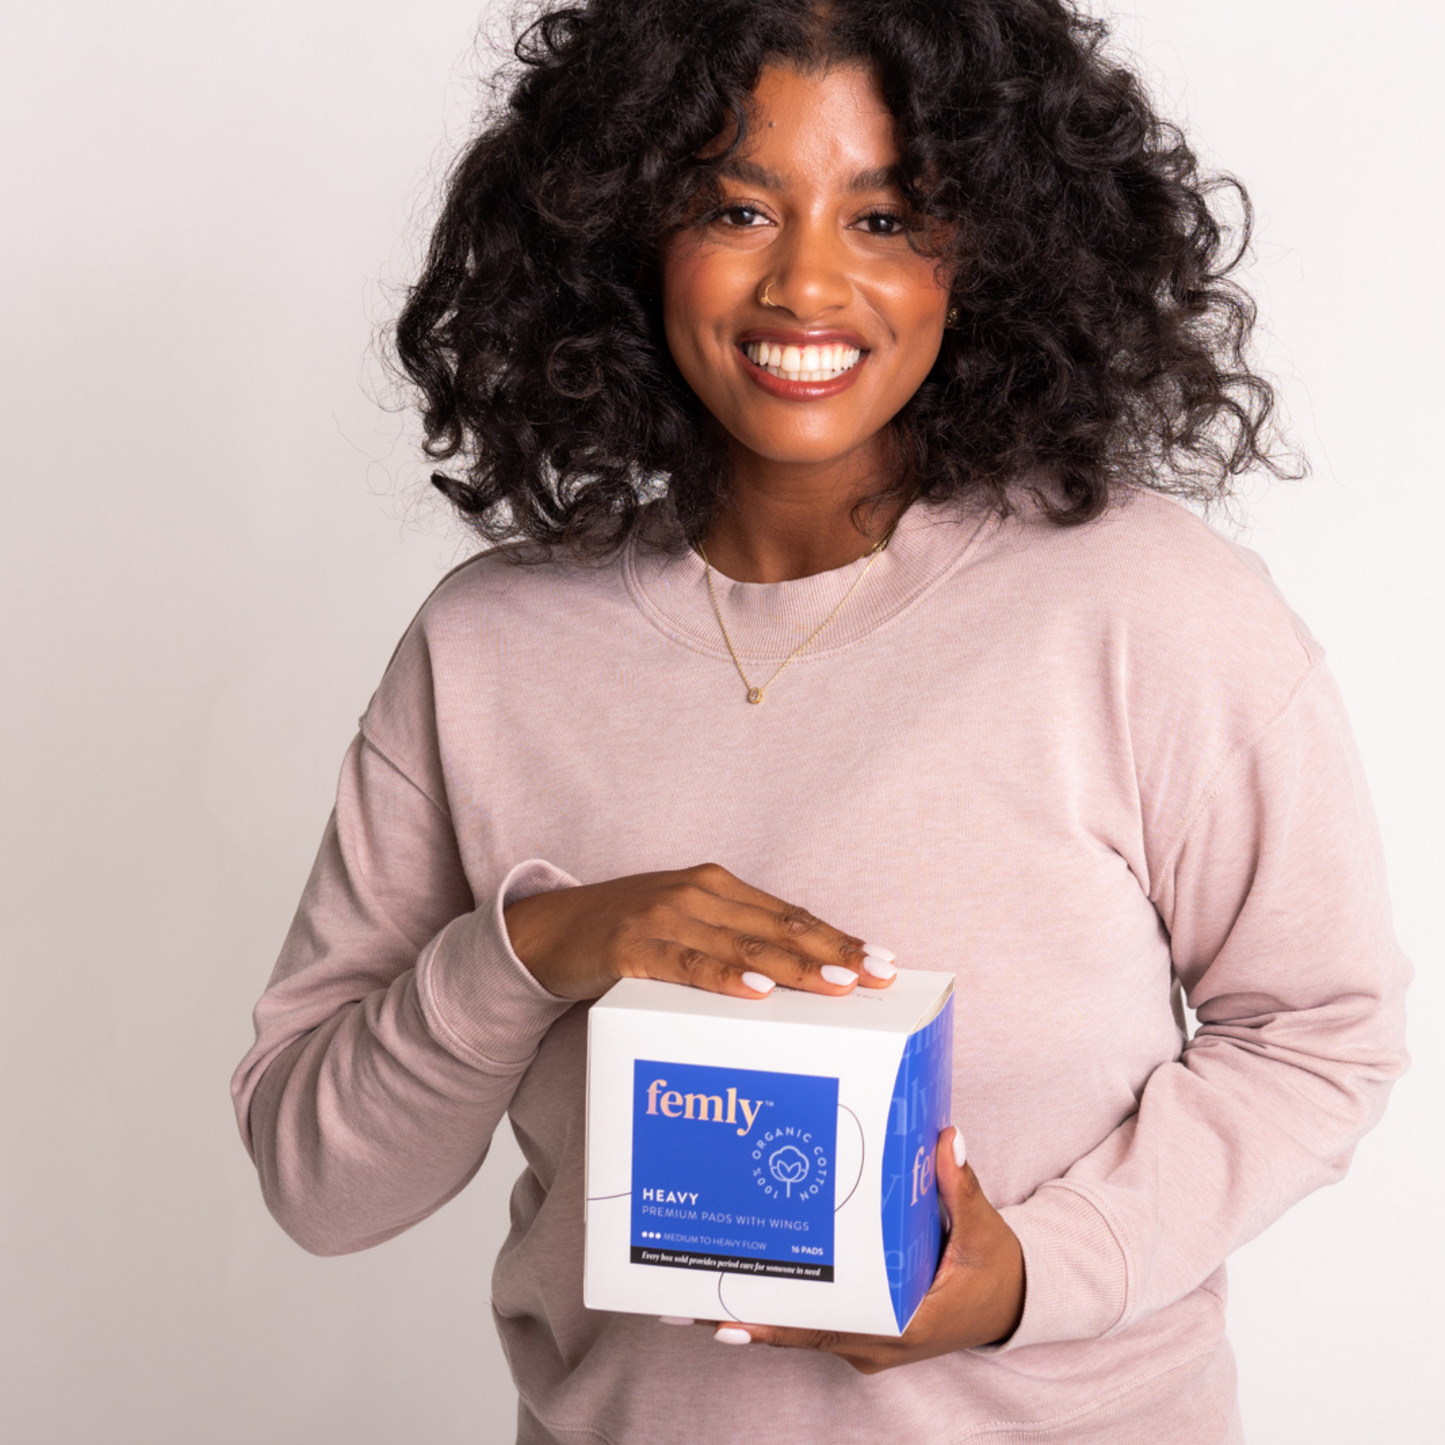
805, 359
802, 365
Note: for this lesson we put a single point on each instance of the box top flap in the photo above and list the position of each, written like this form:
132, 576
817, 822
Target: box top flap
912, 1000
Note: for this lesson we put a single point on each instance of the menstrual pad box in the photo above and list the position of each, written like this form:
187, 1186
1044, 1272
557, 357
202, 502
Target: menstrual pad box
767, 1160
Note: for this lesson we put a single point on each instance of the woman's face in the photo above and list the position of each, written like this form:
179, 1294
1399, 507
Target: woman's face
812, 221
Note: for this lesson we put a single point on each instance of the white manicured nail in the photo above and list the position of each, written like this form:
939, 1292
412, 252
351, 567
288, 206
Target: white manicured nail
878, 967
876, 950
759, 982
960, 1154
728, 1335
675, 1320
836, 973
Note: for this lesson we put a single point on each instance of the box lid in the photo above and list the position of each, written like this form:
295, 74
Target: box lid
913, 998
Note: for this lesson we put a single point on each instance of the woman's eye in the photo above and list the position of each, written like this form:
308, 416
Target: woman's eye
883, 223
741, 216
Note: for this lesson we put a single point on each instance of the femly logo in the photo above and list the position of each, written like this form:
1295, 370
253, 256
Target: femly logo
706, 1108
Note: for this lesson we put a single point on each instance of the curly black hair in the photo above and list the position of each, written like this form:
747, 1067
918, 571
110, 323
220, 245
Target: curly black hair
1098, 336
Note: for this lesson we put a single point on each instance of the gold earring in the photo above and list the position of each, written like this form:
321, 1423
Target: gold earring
764, 297
952, 318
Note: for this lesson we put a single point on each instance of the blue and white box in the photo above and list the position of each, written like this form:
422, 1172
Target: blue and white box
767, 1160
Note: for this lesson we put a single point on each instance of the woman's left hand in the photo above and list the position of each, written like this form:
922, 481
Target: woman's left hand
977, 1296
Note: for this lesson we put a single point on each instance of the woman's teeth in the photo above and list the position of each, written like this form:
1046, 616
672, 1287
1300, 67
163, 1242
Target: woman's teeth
802, 363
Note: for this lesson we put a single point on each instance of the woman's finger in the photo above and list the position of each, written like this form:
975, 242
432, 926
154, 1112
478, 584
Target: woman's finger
755, 953
866, 1353
782, 940
681, 962
680, 947
695, 967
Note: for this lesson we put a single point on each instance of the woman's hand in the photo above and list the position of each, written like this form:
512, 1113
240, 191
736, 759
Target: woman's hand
699, 926
977, 1296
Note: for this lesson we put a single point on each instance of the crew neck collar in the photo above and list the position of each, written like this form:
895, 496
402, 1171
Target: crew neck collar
767, 620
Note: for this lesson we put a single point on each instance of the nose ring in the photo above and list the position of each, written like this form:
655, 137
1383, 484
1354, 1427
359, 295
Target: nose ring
764, 297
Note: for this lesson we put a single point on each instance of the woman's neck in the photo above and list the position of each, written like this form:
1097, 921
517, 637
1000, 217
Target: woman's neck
785, 521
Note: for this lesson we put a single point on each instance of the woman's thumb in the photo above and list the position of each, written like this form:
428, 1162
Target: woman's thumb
960, 1154
958, 1189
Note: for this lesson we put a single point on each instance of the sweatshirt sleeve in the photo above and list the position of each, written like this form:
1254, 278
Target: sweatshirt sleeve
396, 1025
1279, 924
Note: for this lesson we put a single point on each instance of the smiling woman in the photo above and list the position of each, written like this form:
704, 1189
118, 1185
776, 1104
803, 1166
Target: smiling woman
862, 341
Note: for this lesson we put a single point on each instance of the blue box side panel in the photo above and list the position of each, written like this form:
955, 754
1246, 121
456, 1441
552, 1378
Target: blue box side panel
732, 1170
919, 1111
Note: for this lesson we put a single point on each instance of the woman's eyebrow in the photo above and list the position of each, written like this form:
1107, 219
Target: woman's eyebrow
880, 178
751, 173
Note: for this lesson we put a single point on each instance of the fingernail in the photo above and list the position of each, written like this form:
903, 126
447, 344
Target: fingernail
876, 950
728, 1335
878, 967
836, 973
960, 1154
675, 1320
758, 982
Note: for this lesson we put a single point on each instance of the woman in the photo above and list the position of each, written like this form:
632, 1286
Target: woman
825, 368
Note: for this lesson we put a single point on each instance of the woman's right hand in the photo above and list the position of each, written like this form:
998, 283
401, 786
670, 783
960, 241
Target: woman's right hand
699, 926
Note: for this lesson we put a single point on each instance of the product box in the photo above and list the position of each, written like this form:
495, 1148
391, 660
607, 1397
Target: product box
767, 1160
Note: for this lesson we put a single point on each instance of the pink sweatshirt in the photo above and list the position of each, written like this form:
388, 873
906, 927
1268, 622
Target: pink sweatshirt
1069, 765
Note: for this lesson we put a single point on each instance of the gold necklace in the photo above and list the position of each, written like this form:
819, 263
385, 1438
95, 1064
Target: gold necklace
754, 691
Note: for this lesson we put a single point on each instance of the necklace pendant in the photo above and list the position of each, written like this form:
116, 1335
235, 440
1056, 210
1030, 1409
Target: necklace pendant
755, 694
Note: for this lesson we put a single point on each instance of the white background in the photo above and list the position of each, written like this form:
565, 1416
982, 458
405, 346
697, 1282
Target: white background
213, 532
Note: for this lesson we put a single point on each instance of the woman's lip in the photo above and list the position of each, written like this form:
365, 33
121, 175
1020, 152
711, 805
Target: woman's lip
799, 390
787, 337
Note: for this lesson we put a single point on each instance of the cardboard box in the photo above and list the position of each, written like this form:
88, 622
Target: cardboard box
767, 1160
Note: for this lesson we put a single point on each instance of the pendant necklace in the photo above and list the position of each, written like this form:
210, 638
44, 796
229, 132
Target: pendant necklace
755, 691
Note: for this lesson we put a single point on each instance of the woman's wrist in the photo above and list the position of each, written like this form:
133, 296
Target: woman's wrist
531, 925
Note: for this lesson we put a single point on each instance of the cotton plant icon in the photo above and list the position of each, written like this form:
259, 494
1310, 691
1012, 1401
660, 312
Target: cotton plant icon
789, 1166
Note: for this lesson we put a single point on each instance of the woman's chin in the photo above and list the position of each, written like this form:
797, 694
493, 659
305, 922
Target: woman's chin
805, 449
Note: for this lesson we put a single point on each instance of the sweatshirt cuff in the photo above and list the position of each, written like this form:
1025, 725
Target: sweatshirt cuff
1076, 1272
479, 999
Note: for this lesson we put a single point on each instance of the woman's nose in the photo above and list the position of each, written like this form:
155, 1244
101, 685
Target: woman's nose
810, 272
